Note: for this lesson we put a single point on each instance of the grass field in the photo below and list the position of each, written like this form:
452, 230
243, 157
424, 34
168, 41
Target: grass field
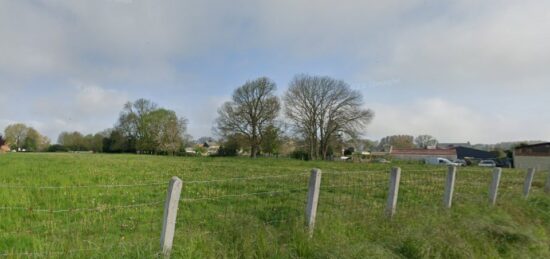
111, 206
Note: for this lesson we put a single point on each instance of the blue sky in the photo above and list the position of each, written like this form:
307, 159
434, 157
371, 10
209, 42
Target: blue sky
459, 70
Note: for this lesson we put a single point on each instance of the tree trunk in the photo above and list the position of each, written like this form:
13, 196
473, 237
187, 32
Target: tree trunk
253, 151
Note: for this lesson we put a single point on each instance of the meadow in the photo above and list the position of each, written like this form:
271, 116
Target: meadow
111, 206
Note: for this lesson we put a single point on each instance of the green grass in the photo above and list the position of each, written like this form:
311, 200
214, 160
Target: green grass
261, 216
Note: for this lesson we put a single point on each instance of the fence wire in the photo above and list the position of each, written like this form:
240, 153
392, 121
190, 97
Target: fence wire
80, 220
248, 211
230, 214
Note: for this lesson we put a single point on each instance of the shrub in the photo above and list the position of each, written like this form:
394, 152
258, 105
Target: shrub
227, 151
300, 154
57, 148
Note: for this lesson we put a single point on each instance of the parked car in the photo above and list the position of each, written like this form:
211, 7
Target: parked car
440, 161
460, 162
487, 163
504, 162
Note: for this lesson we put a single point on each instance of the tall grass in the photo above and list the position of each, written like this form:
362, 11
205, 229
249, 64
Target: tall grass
237, 207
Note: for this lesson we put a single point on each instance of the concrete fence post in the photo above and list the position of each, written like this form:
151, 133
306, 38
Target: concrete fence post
528, 181
170, 213
493, 189
547, 185
313, 199
449, 187
395, 177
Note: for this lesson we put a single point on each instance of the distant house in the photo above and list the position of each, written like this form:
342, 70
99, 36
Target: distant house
532, 156
211, 147
190, 151
422, 154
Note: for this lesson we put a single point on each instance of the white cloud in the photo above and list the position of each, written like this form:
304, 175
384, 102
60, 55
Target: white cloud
88, 108
463, 47
452, 122
92, 100
498, 45
202, 118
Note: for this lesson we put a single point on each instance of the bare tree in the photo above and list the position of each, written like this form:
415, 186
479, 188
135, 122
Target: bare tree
253, 108
424, 141
322, 109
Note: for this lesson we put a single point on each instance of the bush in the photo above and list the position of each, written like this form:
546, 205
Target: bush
57, 148
300, 154
227, 151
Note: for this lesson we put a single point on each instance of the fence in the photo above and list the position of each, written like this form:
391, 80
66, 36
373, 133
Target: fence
267, 210
256, 211
81, 221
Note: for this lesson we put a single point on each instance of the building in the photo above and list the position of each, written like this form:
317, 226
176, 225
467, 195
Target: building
532, 156
466, 152
422, 154
453, 145
211, 147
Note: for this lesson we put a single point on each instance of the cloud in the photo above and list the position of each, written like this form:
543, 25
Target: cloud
107, 40
92, 100
202, 119
476, 58
452, 122
84, 107
489, 45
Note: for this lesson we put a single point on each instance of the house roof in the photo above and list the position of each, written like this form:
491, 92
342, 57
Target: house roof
423, 152
210, 144
541, 149
451, 145
534, 145
463, 152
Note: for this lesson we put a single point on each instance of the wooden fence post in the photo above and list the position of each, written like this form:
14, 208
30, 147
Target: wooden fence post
528, 181
493, 190
449, 187
547, 185
313, 199
395, 177
170, 213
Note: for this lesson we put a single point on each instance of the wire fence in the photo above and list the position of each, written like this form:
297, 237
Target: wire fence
253, 210
56, 220
80, 220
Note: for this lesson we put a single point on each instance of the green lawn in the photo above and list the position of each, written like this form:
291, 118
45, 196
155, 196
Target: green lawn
111, 206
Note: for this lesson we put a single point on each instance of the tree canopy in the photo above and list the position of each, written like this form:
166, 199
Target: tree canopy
252, 110
324, 111
19, 136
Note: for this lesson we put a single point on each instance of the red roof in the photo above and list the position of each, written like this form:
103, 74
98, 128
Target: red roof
424, 152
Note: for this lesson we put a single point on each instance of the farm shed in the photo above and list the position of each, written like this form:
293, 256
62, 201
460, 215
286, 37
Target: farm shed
464, 152
532, 156
422, 154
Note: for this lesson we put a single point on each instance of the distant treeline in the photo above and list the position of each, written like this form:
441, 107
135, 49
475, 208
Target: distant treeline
315, 118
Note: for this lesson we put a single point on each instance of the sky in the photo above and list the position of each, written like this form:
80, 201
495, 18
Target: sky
459, 70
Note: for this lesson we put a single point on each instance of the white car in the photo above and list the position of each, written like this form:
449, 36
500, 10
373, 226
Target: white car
460, 162
440, 161
487, 163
